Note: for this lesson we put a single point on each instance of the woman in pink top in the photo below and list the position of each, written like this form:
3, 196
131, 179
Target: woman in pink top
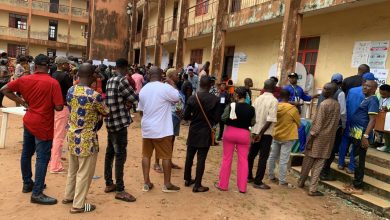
139, 81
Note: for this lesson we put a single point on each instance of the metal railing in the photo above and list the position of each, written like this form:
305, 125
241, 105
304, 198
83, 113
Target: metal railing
170, 24
78, 41
62, 38
58, 9
13, 32
202, 12
238, 5
152, 31
39, 35
19, 3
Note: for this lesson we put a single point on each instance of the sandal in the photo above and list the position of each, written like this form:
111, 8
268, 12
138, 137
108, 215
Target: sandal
288, 185
352, 190
147, 187
175, 166
158, 168
216, 185
274, 180
67, 201
124, 196
87, 208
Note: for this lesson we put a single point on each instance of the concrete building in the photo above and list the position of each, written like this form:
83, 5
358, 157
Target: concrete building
52, 27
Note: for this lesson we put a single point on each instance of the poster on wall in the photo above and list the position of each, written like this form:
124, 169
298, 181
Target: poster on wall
236, 66
373, 53
164, 59
381, 75
360, 54
243, 57
378, 54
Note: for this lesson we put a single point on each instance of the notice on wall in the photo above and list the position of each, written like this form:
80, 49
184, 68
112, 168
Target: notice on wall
236, 66
96, 62
164, 59
381, 75
373, 53
243, 57
378, 54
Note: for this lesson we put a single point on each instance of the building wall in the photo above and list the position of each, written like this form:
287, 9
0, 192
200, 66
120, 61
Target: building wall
169, 8
153, 15
4, 18
201, 43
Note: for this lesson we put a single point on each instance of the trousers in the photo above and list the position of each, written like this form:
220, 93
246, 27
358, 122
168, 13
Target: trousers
263, 148
315, 165
279, 150
60, 123
201, 153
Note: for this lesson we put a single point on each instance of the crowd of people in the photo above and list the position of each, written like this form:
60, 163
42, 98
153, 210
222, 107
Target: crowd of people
74, 100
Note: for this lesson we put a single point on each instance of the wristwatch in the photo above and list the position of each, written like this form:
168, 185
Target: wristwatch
366, 136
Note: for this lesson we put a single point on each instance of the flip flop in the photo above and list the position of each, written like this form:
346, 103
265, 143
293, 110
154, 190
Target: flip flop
124, 196
147, 187
87, 208
175, 166
158, 168
67, 201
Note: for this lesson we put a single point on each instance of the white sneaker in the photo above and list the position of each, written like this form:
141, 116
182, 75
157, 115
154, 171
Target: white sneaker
383, 148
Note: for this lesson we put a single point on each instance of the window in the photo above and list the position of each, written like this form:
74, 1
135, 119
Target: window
18, 21
53, 25
201, 7
15, 50
54, 6
196, 56
308, 53
236, 6
51, 52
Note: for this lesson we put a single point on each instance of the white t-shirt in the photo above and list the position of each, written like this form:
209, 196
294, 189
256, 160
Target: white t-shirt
155, 101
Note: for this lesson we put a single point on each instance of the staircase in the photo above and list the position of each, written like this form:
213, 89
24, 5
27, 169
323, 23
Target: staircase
376, 195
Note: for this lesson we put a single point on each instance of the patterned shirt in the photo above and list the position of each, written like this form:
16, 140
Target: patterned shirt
86, 107
118, 94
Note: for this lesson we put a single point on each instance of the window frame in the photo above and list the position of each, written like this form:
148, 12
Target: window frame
17, 21
14, 50
304, 51
201, 7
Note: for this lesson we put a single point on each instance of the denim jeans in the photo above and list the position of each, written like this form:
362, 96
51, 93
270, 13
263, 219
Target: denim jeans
32, 144
116, 148
279, 150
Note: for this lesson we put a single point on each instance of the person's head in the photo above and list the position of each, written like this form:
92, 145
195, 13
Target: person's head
329, 90
155, 74
384, 90
369, 76
89, 61
230, 82
206, 66
190, 71
62, 63
239, 93
337, 78
212, 81
275, 79
362, 69
185, 77
369, 87
222, 86
173, 75
42, 63
205, 83
121, 65
87, 73
284, 95
248, 83
269, 85
22, 60
4, 55
293, 78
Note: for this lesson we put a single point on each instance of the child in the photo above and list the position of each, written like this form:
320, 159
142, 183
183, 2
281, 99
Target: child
224, 100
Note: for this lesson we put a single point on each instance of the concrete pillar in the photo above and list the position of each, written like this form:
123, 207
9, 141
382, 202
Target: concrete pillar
180, 43
133, 29
290, 40
144, 32
69, 24
159, 32
218, 43
29, 26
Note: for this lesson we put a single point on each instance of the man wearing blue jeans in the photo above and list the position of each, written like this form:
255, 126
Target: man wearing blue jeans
41, 96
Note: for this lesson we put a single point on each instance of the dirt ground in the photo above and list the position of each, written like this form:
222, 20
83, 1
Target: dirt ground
277, 203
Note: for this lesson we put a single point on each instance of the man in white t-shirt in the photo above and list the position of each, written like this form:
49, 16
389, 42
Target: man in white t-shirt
155, 106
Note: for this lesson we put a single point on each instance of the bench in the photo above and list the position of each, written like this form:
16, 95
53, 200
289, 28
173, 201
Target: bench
4, 122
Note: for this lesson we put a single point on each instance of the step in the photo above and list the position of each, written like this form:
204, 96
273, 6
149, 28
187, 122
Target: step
378, 158
375, 171
368, 201
371, 184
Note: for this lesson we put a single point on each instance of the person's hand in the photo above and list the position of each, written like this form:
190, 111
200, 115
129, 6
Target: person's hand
385, 109
309, 142
365, 143
316, 96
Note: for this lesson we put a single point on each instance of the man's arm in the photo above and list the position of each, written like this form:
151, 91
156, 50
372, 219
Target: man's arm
188, 110
370, 128
11, 95
127, 91
343, 109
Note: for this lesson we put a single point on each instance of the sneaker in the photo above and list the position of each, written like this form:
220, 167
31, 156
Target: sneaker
383, 149
171, 188
147, 187
43, 199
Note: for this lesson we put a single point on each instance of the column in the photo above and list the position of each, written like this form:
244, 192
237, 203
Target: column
133, 28
290, 40
218, 43
180, 43
69, 24
29, 26
144, 32
159, 32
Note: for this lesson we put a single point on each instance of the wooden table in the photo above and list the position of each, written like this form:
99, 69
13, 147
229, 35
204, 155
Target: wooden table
4, 122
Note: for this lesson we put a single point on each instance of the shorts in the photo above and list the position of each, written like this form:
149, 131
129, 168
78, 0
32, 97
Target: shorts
176, 125
162, 146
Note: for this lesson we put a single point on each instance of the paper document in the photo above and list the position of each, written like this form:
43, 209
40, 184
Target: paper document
387, 122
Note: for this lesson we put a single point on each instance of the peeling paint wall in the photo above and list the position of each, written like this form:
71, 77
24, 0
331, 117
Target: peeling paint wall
109, 30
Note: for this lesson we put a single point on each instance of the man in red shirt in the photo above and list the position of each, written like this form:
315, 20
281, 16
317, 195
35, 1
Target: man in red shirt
41, 96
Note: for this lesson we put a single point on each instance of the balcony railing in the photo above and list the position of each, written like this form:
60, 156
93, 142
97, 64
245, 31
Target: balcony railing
58, 9
39, 35
201, 18
152, 31
81, 41
237, 5
13, 32
19, 3
170, 24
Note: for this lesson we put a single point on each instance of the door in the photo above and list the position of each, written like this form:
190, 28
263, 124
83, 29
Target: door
137, 53
228, 62
53, 29
175, 11
54, 5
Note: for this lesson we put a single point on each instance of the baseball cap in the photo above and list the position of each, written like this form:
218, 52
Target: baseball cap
41, 60
61, 60
190, 68
212, 78
293, 75
369, 76
337, 78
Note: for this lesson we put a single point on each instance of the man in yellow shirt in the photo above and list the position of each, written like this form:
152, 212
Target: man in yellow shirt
284, 136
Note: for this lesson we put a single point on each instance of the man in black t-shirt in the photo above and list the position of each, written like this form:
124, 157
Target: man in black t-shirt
356, 80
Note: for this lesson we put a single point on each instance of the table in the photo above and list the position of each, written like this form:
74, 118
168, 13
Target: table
21, 111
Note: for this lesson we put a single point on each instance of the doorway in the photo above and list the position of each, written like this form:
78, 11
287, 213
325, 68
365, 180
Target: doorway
53, 29
228, 62
137, 53
54, 5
